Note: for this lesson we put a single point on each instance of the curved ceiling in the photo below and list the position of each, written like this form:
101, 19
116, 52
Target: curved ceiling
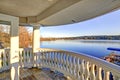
56, 12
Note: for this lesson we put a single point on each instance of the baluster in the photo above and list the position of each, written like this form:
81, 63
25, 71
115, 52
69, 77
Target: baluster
43, 59
64, 62
99, 73
31, 58
67, 62
74, 66
50, 59
92, 76
8, 58
5, 60
2, 61
27, 57
82, 69
78, 68
24, 58
20, 58
36, 59
53, 59
66, 65
56, 59
107, 75
40, 59
46, 59
71, 64
39, 66
87, 73
61, 60
52, 64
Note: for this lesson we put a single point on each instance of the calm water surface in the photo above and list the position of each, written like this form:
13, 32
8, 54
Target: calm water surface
97, 48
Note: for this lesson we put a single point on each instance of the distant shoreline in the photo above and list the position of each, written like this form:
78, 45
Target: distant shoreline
105, 37
85, 40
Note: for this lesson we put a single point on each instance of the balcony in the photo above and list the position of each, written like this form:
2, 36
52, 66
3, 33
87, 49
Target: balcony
72, 65
18, 62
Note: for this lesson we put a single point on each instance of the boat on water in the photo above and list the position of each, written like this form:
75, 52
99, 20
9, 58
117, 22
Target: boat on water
114, 49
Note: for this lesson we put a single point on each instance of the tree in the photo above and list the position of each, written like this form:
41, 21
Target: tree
4, 35
25, 36
25, 39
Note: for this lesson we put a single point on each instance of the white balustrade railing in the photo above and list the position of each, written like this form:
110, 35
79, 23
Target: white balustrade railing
4, 59
76, 66
26, 57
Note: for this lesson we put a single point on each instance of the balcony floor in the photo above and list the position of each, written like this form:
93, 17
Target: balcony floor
34, 74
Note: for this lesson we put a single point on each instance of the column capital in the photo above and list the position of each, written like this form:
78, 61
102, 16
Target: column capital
35, 25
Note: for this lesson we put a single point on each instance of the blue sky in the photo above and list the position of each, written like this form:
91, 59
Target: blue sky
108, 24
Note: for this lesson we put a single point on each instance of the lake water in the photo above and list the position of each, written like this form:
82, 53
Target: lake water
97, 48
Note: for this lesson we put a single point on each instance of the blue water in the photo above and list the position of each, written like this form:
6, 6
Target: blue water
97, 48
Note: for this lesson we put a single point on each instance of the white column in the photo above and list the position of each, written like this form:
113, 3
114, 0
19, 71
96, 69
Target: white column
36, 38
36, 42
14, 44
14, 49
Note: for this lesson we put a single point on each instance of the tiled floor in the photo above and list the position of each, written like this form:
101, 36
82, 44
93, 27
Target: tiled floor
34, 74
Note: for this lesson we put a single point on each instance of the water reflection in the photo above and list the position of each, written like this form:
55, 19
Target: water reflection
91, 47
